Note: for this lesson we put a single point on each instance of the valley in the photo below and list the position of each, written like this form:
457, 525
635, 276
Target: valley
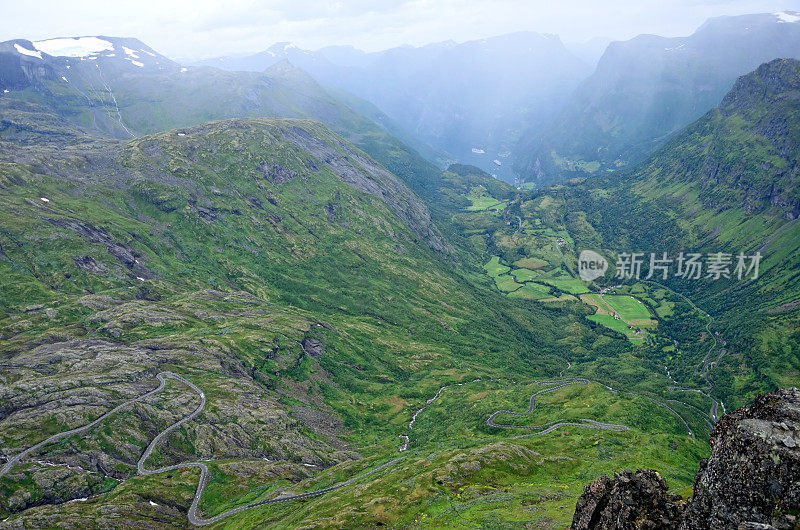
235, 295
247, 347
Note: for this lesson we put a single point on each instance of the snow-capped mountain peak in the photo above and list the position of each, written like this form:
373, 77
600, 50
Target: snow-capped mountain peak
108, 50
73, 47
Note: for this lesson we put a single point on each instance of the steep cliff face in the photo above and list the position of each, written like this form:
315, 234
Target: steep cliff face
752, 477
650, 87
744, 152
751, 480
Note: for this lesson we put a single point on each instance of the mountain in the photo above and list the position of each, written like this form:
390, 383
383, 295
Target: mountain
589, 51
649, 87
230, 250
311, 317
258, 62
470, 99
744, 153
727, 183
121, 88
724, 186
103, 85
299, 286
290, 322
73, 76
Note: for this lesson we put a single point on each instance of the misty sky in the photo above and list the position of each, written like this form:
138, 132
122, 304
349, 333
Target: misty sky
203, 28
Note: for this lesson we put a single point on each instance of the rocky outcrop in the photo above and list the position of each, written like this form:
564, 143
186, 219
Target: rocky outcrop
628, 500
365, 175
127, 256
751, 479
313, 347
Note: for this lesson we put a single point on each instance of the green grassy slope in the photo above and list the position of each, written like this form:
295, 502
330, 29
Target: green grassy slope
728, 183
318, 303
228, 253
109, 100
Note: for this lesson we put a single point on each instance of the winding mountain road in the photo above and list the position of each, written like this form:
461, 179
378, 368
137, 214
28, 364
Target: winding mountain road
706, 364
550, 426
194, 516
79, 430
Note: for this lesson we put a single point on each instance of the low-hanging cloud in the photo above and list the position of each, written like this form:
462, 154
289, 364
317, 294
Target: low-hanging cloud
204, 28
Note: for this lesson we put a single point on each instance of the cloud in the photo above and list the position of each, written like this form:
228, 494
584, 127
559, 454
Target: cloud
203, 28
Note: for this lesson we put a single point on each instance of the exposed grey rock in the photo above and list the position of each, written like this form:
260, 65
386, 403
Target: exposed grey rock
750, 481
364, 174
127, 256
313, 346
90, 264
628, 500
276, 173
752, 474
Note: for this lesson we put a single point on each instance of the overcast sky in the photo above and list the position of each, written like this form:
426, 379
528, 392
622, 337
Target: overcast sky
204, 28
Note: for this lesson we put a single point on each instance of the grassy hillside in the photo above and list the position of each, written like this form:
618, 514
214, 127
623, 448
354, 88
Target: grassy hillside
728, 183
311, 297
109, 97
337, 315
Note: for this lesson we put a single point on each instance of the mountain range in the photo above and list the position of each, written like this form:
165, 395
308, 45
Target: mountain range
648, 88
259, 299
471, 100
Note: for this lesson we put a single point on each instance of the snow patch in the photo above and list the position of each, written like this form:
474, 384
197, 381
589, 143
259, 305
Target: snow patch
64, 78
44, 199
26, 51
496, 161
134, 63
130, 52
76, 47
184, 70
785, 16
153, 503
111, 55
151, 54
6, 91
478, 151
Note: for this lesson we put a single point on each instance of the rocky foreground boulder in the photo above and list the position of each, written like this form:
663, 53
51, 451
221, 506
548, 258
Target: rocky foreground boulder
751, 480
628, 500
